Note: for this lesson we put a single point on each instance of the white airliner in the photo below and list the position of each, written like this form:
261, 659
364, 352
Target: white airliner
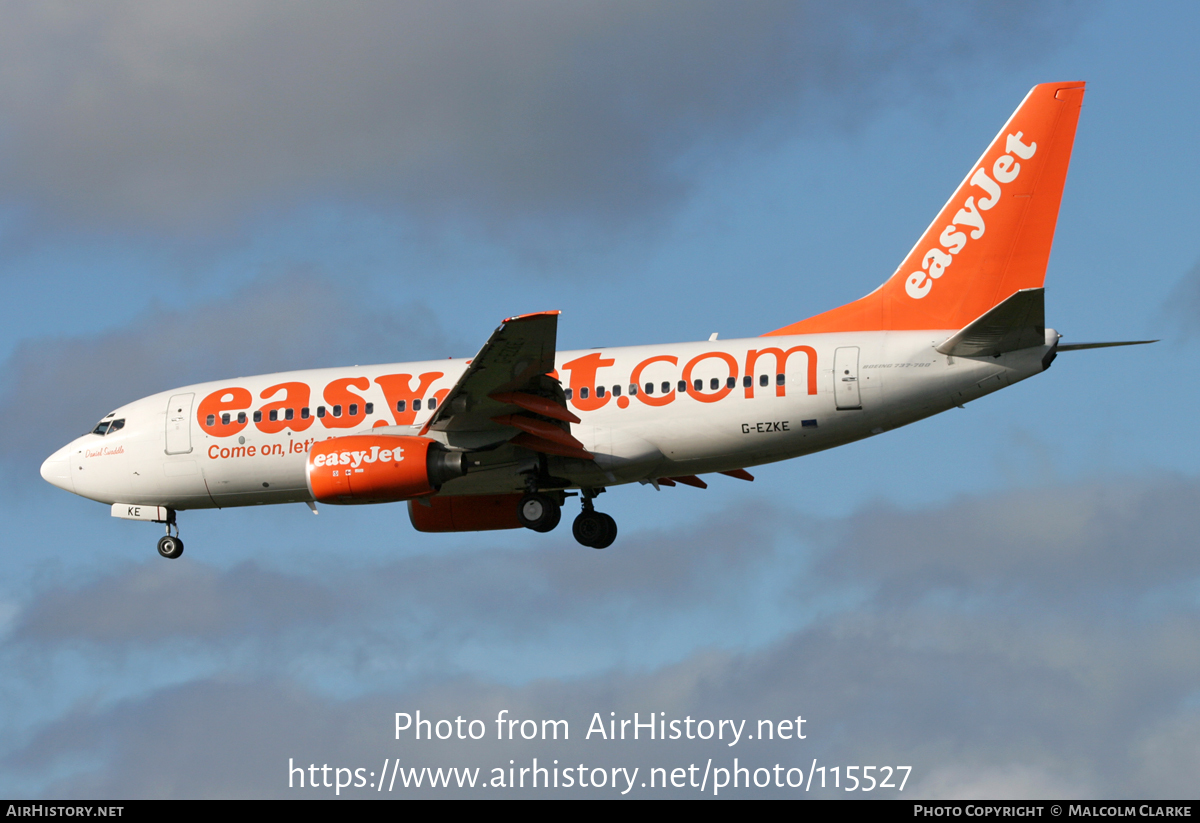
499, 440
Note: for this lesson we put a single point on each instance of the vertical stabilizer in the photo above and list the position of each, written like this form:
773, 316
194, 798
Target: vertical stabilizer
990, 240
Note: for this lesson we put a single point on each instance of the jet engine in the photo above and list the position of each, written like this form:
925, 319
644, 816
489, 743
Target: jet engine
373, 468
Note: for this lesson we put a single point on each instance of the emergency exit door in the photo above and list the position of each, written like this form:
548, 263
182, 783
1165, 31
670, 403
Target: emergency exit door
845, 378
179, 423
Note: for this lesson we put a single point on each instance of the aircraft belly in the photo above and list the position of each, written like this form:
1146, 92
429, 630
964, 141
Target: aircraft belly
254, 473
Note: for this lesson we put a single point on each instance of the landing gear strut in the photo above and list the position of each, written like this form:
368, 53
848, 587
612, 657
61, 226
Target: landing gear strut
591, 528
170, 546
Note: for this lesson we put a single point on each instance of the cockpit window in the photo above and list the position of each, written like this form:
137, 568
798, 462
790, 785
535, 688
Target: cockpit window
107, 426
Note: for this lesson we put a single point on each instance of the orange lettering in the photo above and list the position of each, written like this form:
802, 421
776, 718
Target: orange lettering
338, 393
296, 398
220, 402
396, 387
636, 377
723, 390
583, 375
781, 367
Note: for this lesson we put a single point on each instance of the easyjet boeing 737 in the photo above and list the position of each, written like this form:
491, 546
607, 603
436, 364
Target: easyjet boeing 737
502, 439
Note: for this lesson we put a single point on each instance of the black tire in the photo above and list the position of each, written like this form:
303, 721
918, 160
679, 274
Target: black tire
552, 524
610, 532
538, 512
170, 547
595, 530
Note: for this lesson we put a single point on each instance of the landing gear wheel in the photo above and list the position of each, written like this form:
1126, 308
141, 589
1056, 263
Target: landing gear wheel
595, 530
610, 532
538, 512
170, 547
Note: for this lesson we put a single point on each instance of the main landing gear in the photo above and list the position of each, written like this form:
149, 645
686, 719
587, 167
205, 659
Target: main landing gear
170, 546
591, 528
541, 512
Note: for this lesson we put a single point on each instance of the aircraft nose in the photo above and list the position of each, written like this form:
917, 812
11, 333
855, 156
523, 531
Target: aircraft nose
56, 470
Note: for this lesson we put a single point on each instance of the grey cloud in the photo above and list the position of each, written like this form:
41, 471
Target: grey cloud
184, 116
982, 691
161, 601
969, 722
421, 604
1098, 540
57, 388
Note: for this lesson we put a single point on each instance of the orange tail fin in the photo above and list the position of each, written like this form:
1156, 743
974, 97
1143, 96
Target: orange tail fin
990, 240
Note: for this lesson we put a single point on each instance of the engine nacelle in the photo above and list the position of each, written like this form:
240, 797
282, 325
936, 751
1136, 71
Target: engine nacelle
374, 468
465, 513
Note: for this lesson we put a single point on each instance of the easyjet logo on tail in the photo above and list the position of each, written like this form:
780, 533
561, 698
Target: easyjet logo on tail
953, 240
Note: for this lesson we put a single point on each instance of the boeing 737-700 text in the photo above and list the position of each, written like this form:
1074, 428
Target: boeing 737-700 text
501, 440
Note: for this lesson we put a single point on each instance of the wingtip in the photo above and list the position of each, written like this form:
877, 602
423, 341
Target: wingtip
554, 312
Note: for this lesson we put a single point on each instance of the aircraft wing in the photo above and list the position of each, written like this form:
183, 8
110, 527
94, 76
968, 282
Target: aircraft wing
510, 388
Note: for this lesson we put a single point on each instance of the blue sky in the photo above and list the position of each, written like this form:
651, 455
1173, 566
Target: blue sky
1003, 597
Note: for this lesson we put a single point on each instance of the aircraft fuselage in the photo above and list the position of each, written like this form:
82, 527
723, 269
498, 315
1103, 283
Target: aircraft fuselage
698, 408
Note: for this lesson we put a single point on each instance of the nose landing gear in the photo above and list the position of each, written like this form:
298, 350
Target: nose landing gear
170, 546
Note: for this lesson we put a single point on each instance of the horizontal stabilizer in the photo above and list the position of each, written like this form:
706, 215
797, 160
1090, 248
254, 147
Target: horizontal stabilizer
1016, 323
1080, 346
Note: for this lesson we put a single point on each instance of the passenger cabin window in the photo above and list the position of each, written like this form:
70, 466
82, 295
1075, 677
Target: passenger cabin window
698, 384
417, 404
763, 380
337, 410
666, 387
304, 415
273, 415
432, 403
730, 382
748, 381
616, 391
211, 420
320, 411
633, 389
354, 410
258, 417
682, 385
370, 408
583, 393
649, 388
225, 419
401, 405
288, 414
779, 378
567, 393
714, 384
599, 391
242, 418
